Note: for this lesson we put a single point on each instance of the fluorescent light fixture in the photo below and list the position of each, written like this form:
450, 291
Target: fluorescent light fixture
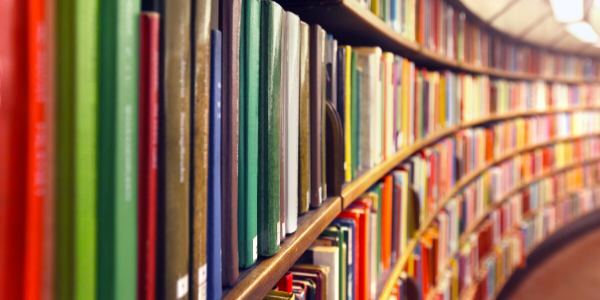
566, 11
583, 31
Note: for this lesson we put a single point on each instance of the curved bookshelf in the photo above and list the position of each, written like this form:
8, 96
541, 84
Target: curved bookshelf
527, 216
264, 274
356, 25
470, 290
389, 284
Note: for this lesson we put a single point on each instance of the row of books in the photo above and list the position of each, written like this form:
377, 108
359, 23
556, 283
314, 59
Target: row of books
167, 155
167, 161
384, 220
447, 261
445, 30
489, 263
399, 104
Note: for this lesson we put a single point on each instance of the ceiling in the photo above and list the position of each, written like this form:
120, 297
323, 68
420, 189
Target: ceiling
532, 21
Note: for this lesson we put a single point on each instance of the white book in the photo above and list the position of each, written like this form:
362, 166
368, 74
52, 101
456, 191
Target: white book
328, 256
291, 119
368, 59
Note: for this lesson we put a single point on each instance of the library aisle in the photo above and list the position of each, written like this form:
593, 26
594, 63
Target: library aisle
569, 272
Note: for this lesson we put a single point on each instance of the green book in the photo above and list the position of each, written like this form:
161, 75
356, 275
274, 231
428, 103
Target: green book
117, 149
354, 112
269, 126
336, 231
248, 145
76, 137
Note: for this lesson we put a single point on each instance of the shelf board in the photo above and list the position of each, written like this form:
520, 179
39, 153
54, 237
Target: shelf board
355, 25
258, 280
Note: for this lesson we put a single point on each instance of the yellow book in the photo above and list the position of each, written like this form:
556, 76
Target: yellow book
279, 295
442, 102
375, 7
347, 114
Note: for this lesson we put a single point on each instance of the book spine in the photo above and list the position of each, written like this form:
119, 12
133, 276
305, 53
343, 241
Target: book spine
147, 153
292, 117
85, 104
230, 29
199, 153
269, 123
175, 256
316, 46
323, 116
117, 149
348, 113
248, 145
214, 290
282, 129
13, 176
65, 132
341, 100
36, 193
304, 171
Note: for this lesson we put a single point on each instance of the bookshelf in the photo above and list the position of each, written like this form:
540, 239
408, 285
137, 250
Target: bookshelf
356, 25
259, 279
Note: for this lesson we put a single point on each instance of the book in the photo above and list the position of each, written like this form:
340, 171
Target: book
38, 201
348, 111
174, 153
77, 104
282, 129
147, 152
117, 150
214, 279
291, 119
328, 256
248, 160
199, 146
304, 159
316, 99
269, 223
229, 25
341, 98
13, 176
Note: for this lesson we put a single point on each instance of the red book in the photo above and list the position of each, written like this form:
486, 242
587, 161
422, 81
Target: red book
37, 146
386, 221
147, 153
285, 283
13, 147
425, 268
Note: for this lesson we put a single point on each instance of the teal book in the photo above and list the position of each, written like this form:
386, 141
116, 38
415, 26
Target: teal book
354, 112
269, 125
117, 148
76, 137
248, 145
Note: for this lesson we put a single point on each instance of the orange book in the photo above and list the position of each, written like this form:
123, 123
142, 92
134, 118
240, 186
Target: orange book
386, 221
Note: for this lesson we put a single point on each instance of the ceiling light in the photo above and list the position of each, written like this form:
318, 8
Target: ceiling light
566, 11
583, 32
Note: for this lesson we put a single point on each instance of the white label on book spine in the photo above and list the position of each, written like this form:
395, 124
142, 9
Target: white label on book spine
182, 286
283, 229
202, 275
307, 199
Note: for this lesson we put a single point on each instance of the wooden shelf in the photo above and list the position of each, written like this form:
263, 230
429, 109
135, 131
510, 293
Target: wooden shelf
355, 25
258, 280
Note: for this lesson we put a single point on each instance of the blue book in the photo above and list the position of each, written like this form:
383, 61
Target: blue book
214, 289
349, 228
